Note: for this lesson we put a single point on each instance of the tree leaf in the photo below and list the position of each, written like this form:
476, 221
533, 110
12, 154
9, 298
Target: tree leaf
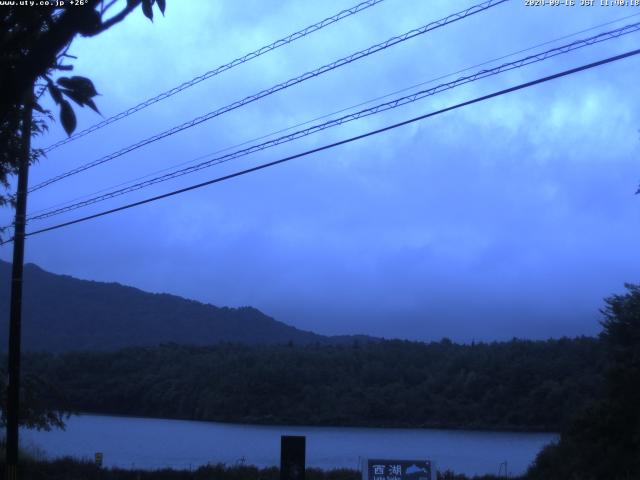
80, 99
82, 85
92, 106
146, 9
65, 82
161, 5
55, 93
91, 23
67, 117
75, 96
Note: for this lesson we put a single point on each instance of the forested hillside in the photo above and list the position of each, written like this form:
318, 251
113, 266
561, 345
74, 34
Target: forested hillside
511, 385
62, 313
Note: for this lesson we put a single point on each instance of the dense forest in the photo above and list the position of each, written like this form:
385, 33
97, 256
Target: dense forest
520, 385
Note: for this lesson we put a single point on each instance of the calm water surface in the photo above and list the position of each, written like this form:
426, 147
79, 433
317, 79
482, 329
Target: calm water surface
155, 443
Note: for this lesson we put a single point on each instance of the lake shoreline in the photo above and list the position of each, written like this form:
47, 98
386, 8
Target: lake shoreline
152, 443
388, 426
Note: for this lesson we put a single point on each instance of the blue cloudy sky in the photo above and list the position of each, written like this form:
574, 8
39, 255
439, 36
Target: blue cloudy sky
512, 217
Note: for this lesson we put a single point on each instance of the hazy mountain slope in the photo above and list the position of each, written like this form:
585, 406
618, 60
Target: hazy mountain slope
64, 313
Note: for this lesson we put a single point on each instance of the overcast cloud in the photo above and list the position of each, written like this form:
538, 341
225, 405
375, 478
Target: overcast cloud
512, 217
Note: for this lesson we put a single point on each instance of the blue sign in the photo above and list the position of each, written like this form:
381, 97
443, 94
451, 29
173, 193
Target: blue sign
398, 470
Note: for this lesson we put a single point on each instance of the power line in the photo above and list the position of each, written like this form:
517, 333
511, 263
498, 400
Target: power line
306, 76
293, 81
627, 29
327, 115
341, 142
218, 70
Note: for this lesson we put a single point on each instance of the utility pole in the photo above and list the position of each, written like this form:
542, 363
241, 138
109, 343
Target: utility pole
15, 319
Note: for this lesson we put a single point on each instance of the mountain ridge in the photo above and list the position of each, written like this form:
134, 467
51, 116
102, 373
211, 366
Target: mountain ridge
63, 313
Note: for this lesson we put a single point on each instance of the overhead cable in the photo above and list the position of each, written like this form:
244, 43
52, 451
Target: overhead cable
328, 115
218, 70
531, 59
293, 81
336, 144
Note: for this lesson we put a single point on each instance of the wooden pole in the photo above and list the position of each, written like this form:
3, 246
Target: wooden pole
15, 319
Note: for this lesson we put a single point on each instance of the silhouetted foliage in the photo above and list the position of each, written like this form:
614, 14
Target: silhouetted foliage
34, 42
604, 441
36, 411
516, 385
450, 475
72, 468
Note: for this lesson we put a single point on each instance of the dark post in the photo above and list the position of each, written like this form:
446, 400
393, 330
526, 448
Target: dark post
292, 457
13, 391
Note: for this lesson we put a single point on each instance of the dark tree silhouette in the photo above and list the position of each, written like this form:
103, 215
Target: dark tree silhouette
37, 411
603, 442
34, 43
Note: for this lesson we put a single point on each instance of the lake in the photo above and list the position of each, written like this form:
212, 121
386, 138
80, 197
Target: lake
149, 443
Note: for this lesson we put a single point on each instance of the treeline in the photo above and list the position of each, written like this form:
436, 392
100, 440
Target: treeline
516, 385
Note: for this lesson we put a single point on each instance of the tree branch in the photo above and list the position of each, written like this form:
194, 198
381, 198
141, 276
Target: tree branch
131, 5
109, 5
46, 48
